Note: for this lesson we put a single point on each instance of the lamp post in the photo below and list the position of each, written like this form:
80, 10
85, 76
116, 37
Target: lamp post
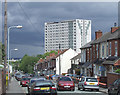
19, 26
59, 61
11, 52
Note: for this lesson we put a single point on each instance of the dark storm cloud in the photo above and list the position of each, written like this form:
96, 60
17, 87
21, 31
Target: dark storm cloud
103, 16
29, 38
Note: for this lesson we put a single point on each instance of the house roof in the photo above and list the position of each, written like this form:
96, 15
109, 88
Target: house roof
98, 61
60, 53
108, 36
117, 63
114, 35
87, 45
76, 57
103, 38
110, 60
86, 64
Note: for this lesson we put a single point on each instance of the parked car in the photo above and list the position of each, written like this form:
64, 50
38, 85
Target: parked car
114, 88
65, 83
19, 77
54, 76
16, 74
69, 75
88, 83
43, 87
34, 79
24, 81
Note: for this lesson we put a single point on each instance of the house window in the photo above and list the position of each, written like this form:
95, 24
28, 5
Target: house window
107, 50
102, 51
115, 48
110, 49
84, 58
94, 51
90, 53
87, 54
97, 50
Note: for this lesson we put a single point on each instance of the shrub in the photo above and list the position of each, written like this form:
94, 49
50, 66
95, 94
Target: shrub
117, 71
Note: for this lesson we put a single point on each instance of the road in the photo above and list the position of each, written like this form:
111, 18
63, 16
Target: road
15, 86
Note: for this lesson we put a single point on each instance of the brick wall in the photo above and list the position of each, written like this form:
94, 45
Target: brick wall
113, 47
111, 77
118, 47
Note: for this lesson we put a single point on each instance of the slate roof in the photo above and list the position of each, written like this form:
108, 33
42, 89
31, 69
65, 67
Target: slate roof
114, 35
77, 56
98, 61
87, 45
110, 60
104, 38
86, 64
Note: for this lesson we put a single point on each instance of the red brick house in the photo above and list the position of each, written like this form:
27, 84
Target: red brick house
101, 55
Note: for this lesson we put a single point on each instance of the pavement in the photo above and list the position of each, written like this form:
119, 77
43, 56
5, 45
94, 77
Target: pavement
14, 87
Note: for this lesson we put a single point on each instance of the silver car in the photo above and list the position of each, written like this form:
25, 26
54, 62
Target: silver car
88, 83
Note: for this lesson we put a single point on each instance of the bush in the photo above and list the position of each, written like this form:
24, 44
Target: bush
117, 71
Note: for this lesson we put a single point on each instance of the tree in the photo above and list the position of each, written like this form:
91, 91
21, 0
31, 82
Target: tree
46, 54
117, 71
27, 64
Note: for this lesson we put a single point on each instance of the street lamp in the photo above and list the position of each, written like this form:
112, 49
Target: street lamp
18, 26
11, 52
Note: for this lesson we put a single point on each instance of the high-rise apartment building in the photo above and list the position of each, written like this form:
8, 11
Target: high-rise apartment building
68, 34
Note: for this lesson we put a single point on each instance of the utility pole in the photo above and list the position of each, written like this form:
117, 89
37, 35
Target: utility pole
5, 43
59, 61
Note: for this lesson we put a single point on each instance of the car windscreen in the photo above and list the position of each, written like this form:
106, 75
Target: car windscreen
65, 79
25, 78
91, 80
40, 79
44, 83
17, 74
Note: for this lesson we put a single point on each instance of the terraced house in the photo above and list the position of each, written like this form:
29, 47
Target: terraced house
50, 65
101, 55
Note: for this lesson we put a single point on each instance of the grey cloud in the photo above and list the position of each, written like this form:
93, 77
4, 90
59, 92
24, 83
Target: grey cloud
103, 16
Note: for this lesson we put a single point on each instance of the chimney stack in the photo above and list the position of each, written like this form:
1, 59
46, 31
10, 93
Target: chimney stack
113, 29
98, 34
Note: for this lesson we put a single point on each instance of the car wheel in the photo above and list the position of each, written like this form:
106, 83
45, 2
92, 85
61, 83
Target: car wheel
78, 88
97, 89
83, 88
118, 93
58, 89
109, 92
73, 89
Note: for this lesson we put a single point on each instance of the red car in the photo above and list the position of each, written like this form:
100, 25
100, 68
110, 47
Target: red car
65, 83
25, 80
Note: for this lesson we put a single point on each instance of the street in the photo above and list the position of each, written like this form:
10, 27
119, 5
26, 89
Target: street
15, 87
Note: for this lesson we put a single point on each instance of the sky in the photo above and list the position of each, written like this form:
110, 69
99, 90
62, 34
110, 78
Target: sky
32, 16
